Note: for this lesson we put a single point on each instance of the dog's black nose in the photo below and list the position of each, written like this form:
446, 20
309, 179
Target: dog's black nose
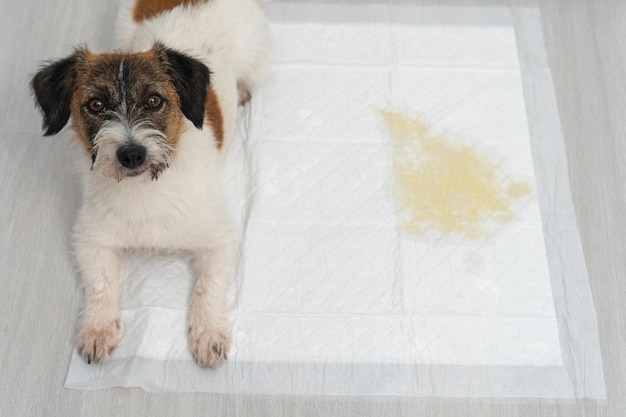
131, 156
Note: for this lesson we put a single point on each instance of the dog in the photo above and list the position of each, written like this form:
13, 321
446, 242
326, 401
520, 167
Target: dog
151, 120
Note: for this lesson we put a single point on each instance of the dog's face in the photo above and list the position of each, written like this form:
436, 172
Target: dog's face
128, 110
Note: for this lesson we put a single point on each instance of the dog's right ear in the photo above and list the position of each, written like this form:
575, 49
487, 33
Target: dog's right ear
53, 86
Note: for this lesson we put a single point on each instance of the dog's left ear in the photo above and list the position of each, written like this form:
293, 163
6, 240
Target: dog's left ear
190, 78
53, 86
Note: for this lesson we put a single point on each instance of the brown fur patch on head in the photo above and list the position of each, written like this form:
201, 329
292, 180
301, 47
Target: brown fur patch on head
213, 114
147, 9
124, 83
117, 100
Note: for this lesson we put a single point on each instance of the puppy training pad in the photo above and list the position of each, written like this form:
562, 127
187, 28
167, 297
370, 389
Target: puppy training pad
401, 189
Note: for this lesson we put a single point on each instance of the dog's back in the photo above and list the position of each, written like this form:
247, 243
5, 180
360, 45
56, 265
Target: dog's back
230, 36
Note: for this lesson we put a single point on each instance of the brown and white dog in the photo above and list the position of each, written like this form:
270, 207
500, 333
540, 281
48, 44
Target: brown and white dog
151, 119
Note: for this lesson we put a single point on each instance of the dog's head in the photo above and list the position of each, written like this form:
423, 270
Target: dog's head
127, 109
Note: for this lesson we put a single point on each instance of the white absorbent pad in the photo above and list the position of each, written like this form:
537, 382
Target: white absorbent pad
407, 228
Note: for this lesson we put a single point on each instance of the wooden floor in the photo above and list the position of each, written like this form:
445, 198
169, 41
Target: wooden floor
39, 293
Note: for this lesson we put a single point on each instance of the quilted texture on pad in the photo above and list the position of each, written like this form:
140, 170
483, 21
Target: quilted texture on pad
323, 254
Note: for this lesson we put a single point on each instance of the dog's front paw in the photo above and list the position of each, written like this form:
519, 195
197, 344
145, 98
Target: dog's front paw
209, 344
96, 341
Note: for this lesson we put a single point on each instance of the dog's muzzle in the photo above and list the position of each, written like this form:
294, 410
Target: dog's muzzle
131, 156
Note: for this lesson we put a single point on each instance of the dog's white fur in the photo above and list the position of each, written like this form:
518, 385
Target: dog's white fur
182, 211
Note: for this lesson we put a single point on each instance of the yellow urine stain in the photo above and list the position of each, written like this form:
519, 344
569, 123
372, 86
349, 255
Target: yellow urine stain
444, 185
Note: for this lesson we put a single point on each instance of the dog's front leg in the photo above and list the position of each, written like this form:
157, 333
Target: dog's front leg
209, 334
99, 324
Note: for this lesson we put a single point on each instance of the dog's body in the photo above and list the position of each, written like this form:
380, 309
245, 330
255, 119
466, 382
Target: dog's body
152, 119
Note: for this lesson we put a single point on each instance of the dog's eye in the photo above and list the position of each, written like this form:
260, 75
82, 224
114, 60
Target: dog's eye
96, 105
154, 102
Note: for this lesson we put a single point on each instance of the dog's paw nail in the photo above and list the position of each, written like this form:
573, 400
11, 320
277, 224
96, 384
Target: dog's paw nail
96, 342
209, 345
